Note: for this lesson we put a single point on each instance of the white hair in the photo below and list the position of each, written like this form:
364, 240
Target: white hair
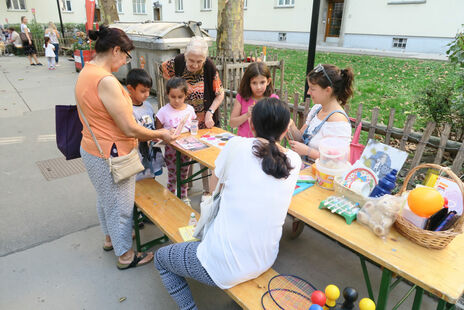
197, 45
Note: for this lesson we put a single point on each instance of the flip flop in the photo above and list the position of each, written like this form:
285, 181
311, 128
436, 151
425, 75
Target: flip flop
108, 248
135, 261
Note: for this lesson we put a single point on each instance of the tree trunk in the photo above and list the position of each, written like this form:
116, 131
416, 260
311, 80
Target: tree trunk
109, 13
229, 39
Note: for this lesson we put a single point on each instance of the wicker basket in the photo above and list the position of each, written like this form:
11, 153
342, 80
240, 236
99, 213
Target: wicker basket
427, 238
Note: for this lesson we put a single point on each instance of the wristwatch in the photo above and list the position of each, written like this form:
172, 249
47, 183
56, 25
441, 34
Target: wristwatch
210, 110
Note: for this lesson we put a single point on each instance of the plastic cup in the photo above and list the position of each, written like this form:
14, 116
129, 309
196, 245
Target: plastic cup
194, 127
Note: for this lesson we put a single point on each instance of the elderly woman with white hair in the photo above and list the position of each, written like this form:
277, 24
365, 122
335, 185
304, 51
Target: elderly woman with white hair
205, 92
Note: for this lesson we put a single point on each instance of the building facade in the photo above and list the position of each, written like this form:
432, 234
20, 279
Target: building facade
72, 11
424, 26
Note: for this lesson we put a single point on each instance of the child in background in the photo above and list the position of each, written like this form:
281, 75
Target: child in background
138, 85
49, 53
170, 117
255, 85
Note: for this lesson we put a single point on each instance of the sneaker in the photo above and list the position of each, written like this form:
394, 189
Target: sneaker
33, 65
187, 201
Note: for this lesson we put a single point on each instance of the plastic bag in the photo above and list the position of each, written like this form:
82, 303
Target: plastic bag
380, 213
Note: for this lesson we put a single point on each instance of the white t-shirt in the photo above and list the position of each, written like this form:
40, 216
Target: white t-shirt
24, 27
49, 50
243, 241
171, 118
338, 129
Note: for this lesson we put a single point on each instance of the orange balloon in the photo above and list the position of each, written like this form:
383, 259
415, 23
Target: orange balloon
425, 201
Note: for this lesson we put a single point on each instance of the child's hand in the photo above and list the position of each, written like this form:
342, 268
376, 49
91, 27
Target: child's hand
300, 148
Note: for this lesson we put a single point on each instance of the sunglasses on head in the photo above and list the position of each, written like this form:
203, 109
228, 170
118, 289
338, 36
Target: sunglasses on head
320, 68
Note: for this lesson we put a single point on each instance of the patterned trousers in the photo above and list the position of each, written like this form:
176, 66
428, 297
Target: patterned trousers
176, 262
170, 160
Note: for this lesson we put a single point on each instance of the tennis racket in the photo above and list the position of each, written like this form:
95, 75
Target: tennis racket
288, 292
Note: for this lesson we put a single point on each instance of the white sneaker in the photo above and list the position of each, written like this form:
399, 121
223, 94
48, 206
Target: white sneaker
187, 201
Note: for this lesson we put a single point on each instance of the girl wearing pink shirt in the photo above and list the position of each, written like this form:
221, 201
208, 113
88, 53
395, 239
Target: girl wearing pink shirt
256, 84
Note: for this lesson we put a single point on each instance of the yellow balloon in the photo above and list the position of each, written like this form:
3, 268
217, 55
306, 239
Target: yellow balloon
332, 293
425, 201
366, 304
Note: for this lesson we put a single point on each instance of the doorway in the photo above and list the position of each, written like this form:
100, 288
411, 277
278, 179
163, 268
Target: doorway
156, 14
334, 19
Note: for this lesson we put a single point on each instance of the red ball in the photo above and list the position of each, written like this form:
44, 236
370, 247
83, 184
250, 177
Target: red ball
318, 298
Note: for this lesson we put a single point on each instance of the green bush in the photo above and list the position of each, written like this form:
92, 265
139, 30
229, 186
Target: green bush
456, 50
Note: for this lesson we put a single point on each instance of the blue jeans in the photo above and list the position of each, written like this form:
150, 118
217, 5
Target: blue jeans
57, 49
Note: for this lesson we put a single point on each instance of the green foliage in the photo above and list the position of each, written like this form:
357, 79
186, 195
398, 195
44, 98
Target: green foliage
456, 50
81, 42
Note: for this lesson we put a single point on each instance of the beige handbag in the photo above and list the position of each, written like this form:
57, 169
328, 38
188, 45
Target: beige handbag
121, 167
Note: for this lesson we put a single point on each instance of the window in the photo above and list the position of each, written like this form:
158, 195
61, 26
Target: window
179, 5
16, 4
405, 1
282, 36
138, 6
206, 5
66, 6
284, 3
400, 42
119, 5
245, 4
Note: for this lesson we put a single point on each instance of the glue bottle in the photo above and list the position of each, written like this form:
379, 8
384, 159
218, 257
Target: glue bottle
192, 220
386, 184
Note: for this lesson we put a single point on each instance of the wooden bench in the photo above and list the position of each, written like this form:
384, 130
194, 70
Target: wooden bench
169, 213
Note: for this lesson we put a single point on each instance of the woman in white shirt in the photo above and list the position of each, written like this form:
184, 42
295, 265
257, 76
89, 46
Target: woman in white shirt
54, 35
243, 241
329, 88
28, 43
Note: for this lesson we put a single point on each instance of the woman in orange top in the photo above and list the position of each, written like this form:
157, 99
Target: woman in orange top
108, 109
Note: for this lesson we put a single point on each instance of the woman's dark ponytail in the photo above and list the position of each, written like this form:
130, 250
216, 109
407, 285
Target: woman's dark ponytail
346, 91
270, 119
341, 81
106, 38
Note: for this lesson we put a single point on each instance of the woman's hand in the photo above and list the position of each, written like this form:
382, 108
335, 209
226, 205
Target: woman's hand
209, 119
166, 135
300, 148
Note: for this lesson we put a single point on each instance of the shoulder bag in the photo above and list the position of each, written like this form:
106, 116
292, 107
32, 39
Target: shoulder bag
210, 206
121, 167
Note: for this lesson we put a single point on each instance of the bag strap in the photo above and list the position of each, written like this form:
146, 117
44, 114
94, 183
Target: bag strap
357, 133
318, 127
90, 129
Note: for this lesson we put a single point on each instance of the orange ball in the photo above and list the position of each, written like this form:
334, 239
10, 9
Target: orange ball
425, 201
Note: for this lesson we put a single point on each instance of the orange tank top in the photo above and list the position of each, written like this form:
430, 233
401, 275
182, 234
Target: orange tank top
103, 126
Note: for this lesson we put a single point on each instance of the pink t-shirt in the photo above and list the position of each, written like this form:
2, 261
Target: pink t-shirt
170, 117
244, 130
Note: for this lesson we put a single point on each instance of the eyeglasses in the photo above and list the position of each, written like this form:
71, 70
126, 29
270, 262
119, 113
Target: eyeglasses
128, 57
320, 68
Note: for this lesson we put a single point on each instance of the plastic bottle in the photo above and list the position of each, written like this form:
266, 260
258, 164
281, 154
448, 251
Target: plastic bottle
192, 220
386, 184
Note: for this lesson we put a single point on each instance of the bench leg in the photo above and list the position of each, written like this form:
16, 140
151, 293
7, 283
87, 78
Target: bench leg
148, 245
297, 228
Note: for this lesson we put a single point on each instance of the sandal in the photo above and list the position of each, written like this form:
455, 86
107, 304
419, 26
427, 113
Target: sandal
108, 248
135, 261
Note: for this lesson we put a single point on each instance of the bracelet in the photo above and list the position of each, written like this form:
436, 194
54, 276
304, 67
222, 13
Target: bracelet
211, 111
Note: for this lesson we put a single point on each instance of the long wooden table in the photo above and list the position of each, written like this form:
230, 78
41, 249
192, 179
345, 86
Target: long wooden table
440, 272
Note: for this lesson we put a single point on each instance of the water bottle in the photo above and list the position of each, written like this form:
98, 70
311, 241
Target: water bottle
192, 220
386, 184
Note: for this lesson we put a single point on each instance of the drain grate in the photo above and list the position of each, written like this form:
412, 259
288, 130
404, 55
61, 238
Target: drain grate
57, 168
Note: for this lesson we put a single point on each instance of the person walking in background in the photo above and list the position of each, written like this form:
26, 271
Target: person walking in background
54, 35
28, 43
49, 53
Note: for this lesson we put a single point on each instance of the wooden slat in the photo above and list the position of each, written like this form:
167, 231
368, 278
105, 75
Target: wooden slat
306, 108
375, 115
295, 107
441, 147
421, 145
391, 119
282, 67
359, 115
459, 160
407, 129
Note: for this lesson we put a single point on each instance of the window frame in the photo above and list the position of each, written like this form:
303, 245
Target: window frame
139, 7
245, 4
179, 6
64, 7
119, 6
12, 5
282, 4
204, 7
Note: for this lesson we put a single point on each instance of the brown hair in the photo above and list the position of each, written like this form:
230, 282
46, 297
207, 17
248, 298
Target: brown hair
342, 81
106, 38
177, 82
253, 70
46, 39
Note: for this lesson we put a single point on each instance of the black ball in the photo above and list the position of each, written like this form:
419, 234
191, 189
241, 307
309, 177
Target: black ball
350, 294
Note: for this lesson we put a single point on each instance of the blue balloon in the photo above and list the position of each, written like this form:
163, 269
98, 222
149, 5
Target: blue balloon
315, 307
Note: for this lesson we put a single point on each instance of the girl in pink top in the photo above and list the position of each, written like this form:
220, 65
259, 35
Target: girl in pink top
256, 84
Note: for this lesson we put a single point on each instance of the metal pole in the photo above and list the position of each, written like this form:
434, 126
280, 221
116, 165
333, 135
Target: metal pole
61, 19
312, 41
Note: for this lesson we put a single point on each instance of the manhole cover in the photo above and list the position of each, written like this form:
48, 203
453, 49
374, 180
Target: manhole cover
60, 167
